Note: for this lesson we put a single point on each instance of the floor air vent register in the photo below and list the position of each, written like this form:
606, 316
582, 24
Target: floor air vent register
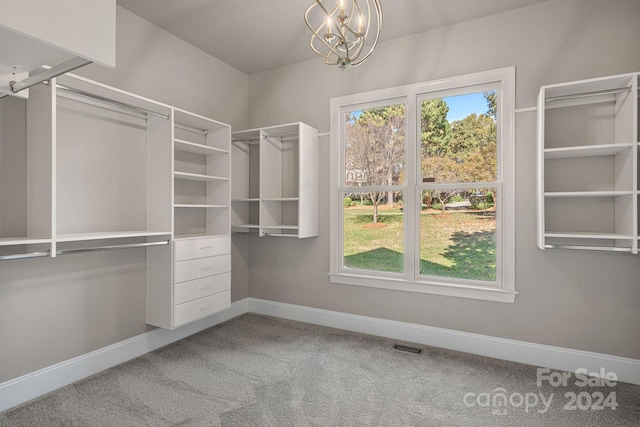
407, 349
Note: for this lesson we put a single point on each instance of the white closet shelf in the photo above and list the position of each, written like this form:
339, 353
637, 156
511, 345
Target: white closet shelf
198, 177
75, 237
254, 199
187, 205
101, 92
591, 248
587, 235
196, 121
9, 241
586, 90
192, 147
281, 199
586, 151
245, 226
613, 193
197, 236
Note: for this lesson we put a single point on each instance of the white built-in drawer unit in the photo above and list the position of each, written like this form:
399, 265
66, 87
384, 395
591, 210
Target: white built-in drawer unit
199, 288
202, 278
201, 267
201, 284
201, 248
202, 307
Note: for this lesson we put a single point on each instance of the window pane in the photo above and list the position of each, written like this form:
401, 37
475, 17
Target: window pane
373, 231
375, 146
458, 136
458, 234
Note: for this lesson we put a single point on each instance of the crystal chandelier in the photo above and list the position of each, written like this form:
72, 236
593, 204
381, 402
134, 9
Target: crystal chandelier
340, 31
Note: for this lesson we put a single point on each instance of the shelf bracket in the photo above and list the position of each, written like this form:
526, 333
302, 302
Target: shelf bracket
48, 74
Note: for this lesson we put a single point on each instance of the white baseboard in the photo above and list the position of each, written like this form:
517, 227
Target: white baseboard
626, 369
38, 383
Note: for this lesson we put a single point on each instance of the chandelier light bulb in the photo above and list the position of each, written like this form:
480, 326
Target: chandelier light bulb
328, 35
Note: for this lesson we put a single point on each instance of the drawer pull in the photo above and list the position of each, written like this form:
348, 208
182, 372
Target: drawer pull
205, 248
207, 268
207, 308
206, 288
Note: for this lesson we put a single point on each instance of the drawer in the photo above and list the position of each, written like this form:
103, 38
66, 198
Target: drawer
194, 310
201, 248
194, 289
202, 267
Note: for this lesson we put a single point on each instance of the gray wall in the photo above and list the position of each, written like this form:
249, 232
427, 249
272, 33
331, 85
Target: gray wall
586, 301
153, 63
55, 309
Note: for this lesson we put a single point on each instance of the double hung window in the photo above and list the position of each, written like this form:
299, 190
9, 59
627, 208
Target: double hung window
422, 189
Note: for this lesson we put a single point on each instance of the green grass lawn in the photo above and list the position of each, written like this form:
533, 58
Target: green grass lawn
456, 244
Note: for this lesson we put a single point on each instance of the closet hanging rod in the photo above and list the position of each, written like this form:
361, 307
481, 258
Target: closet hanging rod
280, 135
112, 247
191, 129
112, 102
257, 138
589, 94
588, 248
24, 256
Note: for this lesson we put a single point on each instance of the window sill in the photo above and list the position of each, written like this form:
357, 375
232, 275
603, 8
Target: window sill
446, 289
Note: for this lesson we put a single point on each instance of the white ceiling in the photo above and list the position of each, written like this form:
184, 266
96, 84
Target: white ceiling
258, 35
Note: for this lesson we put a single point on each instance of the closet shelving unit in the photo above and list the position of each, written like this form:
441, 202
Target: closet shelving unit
85, 167
94, 174
201, 267
588, 157
275, 181
202, 168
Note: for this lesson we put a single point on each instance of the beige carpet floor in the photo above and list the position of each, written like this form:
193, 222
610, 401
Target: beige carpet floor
262, 371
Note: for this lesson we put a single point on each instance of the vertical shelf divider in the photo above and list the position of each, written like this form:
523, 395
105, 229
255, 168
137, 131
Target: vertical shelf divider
41, 163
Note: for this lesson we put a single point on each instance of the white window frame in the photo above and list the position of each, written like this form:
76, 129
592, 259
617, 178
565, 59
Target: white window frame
503, 290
